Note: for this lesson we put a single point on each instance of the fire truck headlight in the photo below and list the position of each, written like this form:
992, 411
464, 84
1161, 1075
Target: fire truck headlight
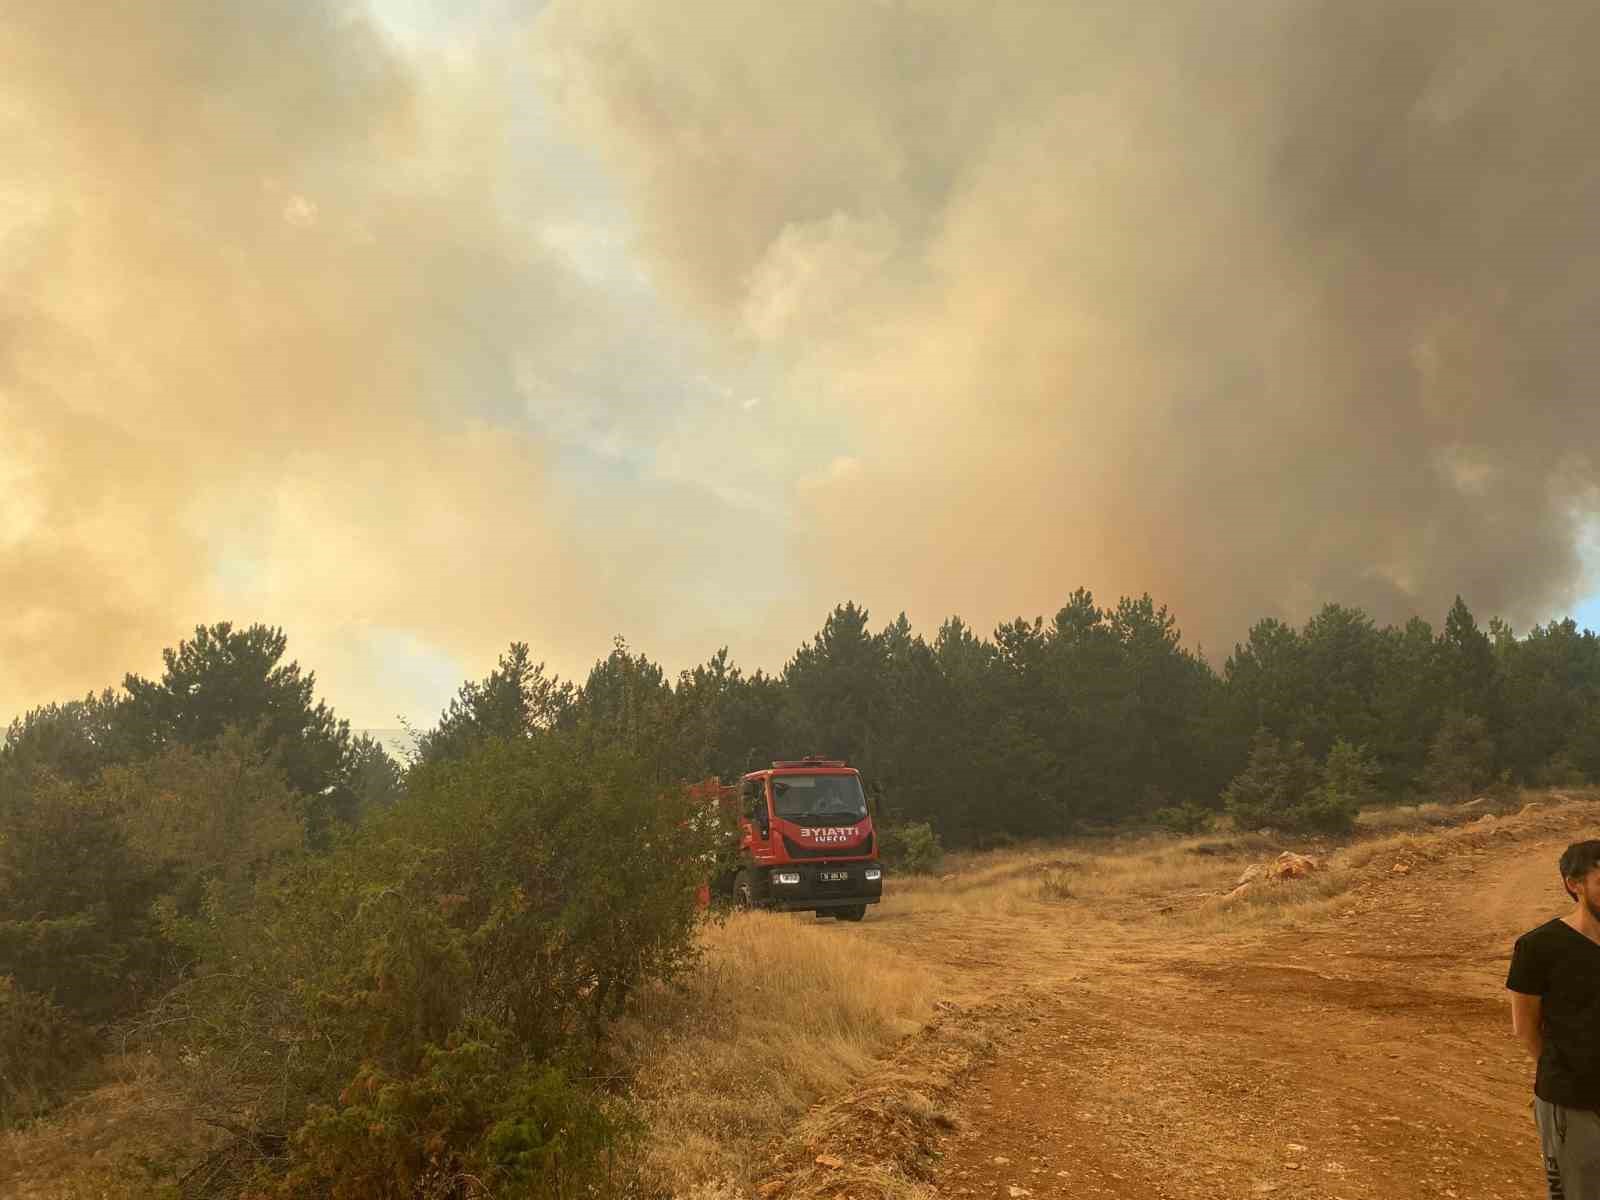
873, 873
786, 877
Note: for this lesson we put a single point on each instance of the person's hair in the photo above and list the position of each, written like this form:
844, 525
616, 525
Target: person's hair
1577, 861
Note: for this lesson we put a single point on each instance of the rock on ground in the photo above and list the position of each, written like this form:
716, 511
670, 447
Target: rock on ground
1292, 866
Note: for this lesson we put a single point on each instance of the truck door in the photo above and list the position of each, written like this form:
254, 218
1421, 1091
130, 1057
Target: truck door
758, 828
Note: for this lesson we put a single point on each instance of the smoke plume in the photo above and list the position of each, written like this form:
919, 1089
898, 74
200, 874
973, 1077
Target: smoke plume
285, 325
1253, 306
688, 321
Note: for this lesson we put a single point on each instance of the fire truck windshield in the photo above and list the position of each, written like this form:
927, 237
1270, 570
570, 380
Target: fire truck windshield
819, 799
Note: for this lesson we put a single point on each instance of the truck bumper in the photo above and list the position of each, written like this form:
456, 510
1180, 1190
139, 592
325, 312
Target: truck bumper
815, 892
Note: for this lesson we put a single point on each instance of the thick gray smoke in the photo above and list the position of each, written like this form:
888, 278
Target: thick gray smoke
1252, 305
1249, 305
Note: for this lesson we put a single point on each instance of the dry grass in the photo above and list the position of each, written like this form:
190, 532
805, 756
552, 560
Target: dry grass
1189, 878
1055, 883
1403, 817
882, 1140
782, 1012
1119, 879
125, 1139
1434, 815
794, 1032
1524, 814
1409, 835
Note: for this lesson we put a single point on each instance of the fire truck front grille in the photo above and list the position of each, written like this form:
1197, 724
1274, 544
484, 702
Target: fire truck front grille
794, 849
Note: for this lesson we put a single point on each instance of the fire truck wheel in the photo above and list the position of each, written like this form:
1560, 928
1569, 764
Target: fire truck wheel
742, 899
854, 913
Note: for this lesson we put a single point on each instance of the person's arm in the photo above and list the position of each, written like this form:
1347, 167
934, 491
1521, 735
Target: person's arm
1526, 1022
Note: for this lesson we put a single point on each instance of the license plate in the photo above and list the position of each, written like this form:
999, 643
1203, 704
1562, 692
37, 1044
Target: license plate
833, 876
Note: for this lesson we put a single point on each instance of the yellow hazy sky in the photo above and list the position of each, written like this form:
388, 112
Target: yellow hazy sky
419, 327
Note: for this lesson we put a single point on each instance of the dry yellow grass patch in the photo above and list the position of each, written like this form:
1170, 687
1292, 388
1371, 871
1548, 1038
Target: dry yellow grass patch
1435, 816
886, 1135
1410, 836
126, 1139
782, 1011
1119, 879
1186, 879
1430, 815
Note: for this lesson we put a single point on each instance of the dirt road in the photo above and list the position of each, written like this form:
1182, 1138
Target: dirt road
1363, 1053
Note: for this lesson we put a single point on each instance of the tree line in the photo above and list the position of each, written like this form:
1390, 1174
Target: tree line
385, 972
1100, 716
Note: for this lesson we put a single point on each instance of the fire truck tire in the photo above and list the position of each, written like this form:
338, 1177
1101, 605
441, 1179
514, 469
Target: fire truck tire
854, 913
743, 895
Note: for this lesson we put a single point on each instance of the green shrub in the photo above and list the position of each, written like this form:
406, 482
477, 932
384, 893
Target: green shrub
1320, 812
1559, 772
1349, 781
1460, 758
1187, 818
913, 848
475, 1111
75, 898
220, 816
1283, 788
1276, 782
41, 1047
430, 973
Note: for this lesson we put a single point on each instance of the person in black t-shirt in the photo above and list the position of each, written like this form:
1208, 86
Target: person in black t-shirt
1555, 1012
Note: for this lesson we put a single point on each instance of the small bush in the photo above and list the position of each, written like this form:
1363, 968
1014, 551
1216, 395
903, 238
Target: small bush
1349, 781
1461, 757
1284, 789
914, 849
75, 897
1321, 812
1054, 884
41, 1047
1561, 771
396, 1018
1189, 818
475, 1119
1274, 785
222, 816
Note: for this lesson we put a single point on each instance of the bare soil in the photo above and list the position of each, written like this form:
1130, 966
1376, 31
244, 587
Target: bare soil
1362, 1051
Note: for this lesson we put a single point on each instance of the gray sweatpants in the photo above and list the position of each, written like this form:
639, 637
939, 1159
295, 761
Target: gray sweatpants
1570, 1138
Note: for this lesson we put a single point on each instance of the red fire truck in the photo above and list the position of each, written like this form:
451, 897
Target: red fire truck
805, 840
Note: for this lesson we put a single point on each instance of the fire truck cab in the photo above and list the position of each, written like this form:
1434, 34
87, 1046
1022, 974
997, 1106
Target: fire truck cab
806, 842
